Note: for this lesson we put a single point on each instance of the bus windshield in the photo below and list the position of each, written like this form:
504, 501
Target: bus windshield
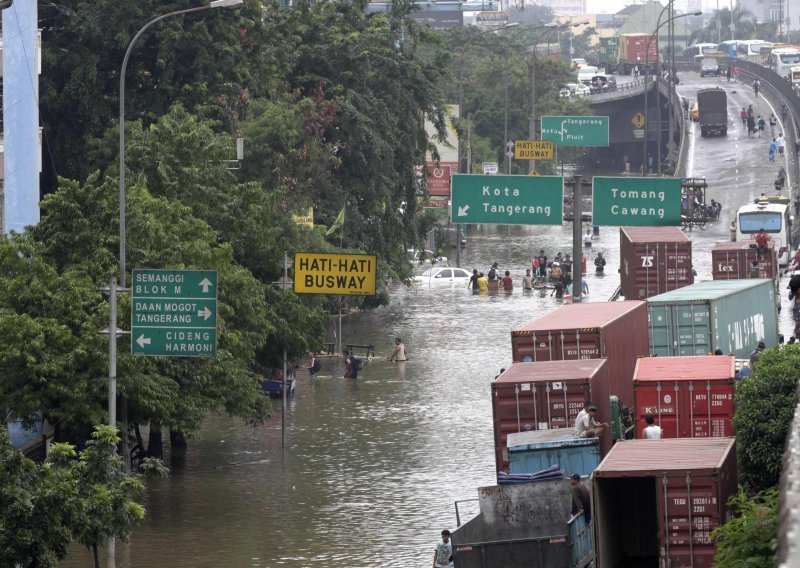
787, 58
770, 221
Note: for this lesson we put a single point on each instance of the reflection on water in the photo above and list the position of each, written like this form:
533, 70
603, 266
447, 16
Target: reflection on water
372, 466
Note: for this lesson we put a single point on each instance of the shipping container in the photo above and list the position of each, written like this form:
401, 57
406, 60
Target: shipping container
655, 502
534, 451
637, 49
734, 261
689, 397
731, 315
608, 53
527, 524
549, 395
653, 260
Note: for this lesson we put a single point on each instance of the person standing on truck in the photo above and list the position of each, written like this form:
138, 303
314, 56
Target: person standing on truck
762, 243
581, 500
443, 552
651, 431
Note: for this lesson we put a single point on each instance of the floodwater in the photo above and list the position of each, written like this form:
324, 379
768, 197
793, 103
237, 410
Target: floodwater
372, 467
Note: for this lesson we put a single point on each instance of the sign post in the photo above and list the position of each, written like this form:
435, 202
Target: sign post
507, 200
636, 201
174, 312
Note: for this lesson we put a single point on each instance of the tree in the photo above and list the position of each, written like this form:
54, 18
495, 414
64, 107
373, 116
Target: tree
765, 404
749, 539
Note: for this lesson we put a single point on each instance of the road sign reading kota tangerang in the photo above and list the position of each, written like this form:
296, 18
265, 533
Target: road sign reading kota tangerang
507, 200
636, 201
576, 130
533, 150
325, 273
174, 312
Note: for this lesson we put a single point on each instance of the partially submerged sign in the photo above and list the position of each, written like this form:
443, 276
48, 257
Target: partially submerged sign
636, 201
327, 273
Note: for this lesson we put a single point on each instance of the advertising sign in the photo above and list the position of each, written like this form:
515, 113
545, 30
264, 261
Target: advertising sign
439, 180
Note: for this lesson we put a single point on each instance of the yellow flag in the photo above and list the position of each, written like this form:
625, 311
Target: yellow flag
337, 223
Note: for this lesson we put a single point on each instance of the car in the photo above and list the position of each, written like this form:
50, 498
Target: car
694, 112
586, 73
442, 274
425, 256
578, 62
709, 66
603, 83
574, 90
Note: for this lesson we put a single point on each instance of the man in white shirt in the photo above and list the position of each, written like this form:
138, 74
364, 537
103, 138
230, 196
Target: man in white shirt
651, 431
588, 427
582, 413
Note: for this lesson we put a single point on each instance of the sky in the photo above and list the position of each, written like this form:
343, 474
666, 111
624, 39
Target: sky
613, 6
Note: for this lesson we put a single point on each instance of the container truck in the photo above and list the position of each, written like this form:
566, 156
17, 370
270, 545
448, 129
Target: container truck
638, 49
549, 395
529, 452
731, 315
734, 261
655, 502
713, 106
524, 525
689, 397
608, 53
653, 260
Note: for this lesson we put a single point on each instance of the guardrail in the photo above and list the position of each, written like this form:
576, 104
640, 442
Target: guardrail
623, 90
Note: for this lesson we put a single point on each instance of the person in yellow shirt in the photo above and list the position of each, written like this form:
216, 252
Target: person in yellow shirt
483, 283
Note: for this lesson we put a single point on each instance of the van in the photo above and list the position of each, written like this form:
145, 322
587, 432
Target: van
709, 66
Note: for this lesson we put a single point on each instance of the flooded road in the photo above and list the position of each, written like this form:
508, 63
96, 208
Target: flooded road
373, 466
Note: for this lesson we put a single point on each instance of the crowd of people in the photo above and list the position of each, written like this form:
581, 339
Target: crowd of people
553, 274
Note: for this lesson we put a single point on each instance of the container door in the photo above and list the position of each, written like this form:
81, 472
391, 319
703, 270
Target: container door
677, 259
522, 348
688, 512
562, 401
663, 400
545, 346
693, 326
579, 344
711, 407
660, 330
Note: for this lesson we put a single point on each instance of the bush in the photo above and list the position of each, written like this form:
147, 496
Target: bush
750, 539
765, 404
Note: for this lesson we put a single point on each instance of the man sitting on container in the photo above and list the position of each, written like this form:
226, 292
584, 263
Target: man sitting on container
762, 243
581, 500
587, 427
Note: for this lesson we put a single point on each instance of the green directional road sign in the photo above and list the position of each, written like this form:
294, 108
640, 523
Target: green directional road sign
507, 200
636, 201
174, 312
576, 130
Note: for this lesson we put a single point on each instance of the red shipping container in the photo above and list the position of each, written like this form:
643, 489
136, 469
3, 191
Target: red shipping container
550, 394
689, 397
633, 48
733, 261
653, 260
616, 331
655, 502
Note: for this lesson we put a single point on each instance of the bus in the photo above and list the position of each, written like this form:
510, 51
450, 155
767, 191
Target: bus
782, 60
699, 49
729, 47
752, 49
773, 216
795, 76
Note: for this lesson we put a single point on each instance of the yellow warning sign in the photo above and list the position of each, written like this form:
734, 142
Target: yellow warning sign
638, 120
534, 150
326, 273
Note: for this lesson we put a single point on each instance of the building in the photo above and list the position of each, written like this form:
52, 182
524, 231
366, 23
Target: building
21, 157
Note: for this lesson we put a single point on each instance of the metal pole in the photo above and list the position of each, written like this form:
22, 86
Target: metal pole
532, 122
577, 213
285, 373
112, 389
719, 26
505, 132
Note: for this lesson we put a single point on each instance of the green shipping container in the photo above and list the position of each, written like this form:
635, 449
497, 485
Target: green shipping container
608, 50
731, 315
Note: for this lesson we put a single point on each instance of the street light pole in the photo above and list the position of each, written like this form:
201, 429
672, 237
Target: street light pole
115, 286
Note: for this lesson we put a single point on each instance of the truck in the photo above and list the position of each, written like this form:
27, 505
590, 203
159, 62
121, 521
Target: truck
527, 524
713, 105
537, 450
608, 53
656, 502
638, 50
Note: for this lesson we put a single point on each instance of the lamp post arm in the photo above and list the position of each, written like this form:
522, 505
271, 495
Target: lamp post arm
122, 228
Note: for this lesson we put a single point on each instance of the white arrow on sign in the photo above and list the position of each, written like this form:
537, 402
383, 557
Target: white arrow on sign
142, 341
462, 211
205, 283
205, 313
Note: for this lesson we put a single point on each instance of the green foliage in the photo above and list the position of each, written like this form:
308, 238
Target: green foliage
765, 404
750, 539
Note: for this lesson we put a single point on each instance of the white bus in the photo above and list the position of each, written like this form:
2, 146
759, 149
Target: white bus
774, 218
752, 48
783, 59
699, 49
729, 48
